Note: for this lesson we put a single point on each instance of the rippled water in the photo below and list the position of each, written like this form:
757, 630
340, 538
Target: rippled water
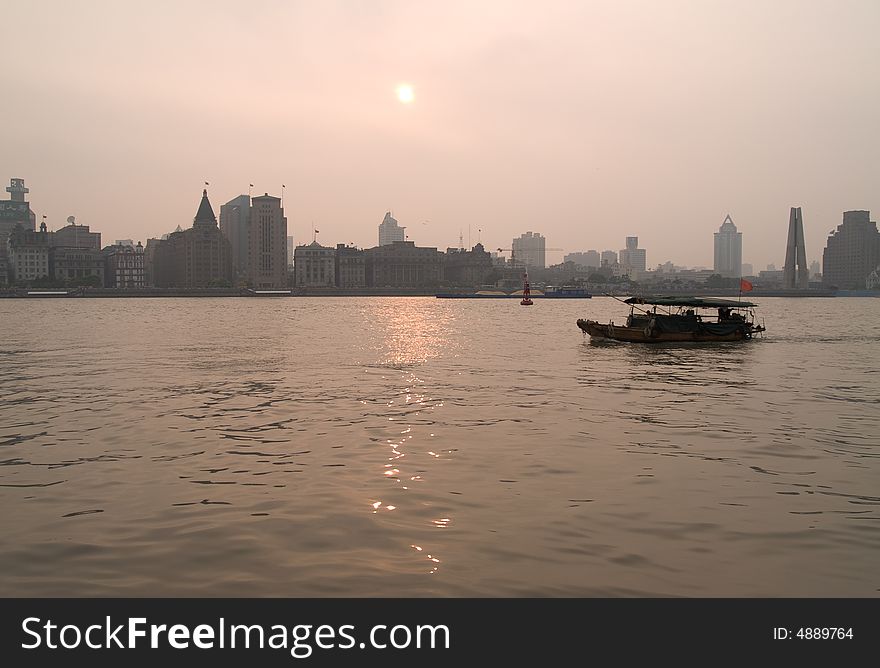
417, 447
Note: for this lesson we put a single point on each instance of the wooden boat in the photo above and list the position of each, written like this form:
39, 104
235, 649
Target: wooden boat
685, 319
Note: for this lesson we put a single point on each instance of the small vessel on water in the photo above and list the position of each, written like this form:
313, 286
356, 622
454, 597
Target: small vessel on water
526, 300
685, 319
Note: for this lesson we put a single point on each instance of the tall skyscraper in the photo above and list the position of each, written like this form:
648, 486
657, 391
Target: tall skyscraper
234, 217
728, 250
795, 274
267, 243
632, 258
852, 252
529, 250
390, 231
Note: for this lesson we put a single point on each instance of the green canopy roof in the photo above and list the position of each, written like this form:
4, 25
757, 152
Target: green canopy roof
696, 302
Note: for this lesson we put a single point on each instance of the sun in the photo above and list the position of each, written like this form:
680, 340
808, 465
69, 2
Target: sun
405, 93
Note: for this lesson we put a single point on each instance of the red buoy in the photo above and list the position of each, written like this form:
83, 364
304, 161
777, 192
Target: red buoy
526, 300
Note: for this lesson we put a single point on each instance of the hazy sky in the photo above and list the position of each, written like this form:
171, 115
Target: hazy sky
586, 121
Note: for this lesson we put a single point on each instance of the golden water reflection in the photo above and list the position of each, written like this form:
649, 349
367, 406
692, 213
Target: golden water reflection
406, 333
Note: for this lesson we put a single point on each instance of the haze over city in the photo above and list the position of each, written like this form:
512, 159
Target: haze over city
586, 121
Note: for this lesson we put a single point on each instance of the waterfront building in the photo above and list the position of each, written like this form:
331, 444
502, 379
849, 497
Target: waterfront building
632, 259
125, 265
75, 236
467, 268
315, 266
728, 250
77, 265
350, 267
796, 274
588, 258
16, 211
390, 231
852, 252
747, 269
234, 218
289, 251
267, 243
194, 258
403, 265
27, 254
529, 249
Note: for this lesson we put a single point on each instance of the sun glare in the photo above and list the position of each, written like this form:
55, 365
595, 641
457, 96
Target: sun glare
405, 93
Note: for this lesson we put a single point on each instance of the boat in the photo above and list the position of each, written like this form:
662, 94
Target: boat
686, 319
566, 292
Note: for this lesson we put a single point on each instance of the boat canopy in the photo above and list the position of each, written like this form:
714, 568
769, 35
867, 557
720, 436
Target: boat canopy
695, 302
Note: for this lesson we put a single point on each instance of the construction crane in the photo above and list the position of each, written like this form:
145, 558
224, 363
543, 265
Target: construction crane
513, 257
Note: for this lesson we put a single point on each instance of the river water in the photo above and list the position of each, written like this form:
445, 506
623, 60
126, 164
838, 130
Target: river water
423, 447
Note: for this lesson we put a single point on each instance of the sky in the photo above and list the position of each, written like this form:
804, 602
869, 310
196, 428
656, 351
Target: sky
585, 121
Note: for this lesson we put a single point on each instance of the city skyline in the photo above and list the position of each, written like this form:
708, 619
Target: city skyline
536, 121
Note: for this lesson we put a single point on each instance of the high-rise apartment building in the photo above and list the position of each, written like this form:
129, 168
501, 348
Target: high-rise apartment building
529, 250
852, 252
588, 258
632, 259
608, 258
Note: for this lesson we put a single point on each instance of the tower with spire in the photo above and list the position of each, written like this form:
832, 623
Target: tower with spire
199, 257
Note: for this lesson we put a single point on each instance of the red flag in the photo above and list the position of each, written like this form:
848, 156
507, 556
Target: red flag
744, 285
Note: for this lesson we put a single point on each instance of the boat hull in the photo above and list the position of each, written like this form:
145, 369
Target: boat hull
600, 331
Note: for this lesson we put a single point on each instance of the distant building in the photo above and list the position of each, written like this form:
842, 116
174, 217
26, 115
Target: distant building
389, 231
467, 268
747, 269
796, 275
75, 236
27, 254
124, 265
315, 266
234, 217
588, 258
350, 268
77, 265
771, 278
632, 259
267, 243
289, 251
815, 270
728, 250
608, 258
529, 249
14, 211
194, 258
403, 265
852, 252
